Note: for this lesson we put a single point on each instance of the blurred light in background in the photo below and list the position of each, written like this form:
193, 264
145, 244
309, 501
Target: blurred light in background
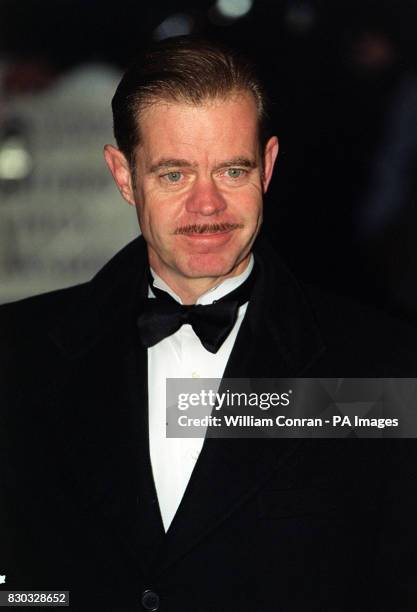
300, 16
174, 25
226, 12
233, 9
15, 160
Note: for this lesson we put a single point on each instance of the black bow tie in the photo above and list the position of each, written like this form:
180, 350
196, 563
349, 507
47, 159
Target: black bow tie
162, 316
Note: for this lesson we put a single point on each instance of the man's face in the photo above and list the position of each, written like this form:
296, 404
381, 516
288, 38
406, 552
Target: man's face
198, 186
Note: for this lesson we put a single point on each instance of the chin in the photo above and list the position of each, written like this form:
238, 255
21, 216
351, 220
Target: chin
213, 266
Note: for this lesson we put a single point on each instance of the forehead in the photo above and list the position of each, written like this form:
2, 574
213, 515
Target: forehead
219, 127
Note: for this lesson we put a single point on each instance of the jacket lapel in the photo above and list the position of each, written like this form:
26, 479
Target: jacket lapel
148, 534
279, 337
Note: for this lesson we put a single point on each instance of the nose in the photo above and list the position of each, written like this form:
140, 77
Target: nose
205, 199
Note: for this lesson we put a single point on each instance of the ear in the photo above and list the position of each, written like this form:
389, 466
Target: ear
120, 169
270, 155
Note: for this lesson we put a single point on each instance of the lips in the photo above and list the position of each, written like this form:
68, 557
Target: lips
208, 234
206, 242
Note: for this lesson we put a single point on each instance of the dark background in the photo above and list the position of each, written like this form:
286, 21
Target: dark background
342, 77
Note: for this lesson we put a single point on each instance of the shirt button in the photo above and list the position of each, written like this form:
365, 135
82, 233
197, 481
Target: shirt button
195, 375
150, 601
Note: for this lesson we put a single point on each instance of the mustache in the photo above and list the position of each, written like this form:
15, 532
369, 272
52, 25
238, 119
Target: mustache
207, 228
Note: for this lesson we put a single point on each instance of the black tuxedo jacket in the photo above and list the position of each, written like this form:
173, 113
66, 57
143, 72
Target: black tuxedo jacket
264, 526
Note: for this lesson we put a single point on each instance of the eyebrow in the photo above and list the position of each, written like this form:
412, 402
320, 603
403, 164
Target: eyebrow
237, 161
183, 163
171, 163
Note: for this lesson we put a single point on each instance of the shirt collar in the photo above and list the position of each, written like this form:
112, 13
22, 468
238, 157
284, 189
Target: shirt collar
215, 293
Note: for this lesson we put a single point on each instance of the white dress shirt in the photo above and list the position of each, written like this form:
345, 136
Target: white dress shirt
182, 355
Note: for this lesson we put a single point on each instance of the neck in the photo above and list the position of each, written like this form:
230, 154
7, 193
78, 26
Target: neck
190, 289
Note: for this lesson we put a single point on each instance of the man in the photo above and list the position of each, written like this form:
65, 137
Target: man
96, 499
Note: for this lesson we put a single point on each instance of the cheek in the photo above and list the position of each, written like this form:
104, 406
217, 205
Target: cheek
250, 195
150, 213
157, 223
161, 208
250, 204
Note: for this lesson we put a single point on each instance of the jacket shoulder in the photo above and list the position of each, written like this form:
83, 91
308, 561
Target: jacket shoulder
364, 332
25, 326
40, 307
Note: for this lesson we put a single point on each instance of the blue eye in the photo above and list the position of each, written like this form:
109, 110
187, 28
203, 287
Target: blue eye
234, 173
173, 177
